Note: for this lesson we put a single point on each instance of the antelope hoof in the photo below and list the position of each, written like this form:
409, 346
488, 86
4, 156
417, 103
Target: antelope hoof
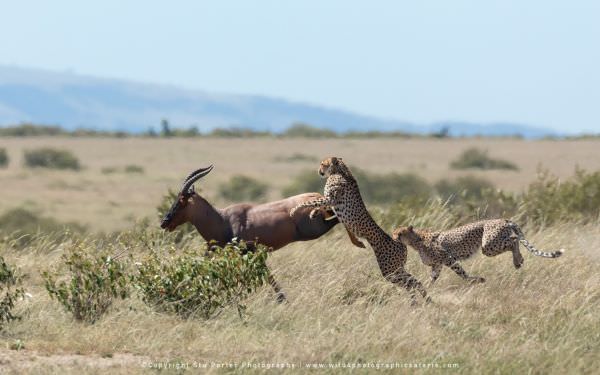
281, 298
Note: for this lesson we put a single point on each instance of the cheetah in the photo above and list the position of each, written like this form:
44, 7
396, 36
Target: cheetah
494, 236
343, 196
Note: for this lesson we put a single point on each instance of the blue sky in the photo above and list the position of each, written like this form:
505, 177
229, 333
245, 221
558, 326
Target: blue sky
531, 62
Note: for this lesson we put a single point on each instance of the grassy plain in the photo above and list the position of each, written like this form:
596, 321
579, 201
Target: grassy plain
111, 201
541, 319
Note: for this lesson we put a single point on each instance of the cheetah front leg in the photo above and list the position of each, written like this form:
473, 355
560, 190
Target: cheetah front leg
316, 204
456, 267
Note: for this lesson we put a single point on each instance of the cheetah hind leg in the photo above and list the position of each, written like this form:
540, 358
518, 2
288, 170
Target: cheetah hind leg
436, 269
456, 267
517, 257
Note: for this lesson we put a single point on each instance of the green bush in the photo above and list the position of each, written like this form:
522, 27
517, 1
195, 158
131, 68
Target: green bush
134, 169
307, 181
549, 200
3, 158
235, 132
51, 158
474, 158
24, 224
243, 188
296, 157
94, 279
108, 170
26, 130
10, 289
423, 213
190, 285
464, 187
308, 131
390, 187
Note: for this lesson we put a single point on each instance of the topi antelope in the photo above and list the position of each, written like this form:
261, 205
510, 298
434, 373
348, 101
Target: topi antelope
268, 224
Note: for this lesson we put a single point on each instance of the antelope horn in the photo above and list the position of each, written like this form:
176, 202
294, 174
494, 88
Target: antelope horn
195, 176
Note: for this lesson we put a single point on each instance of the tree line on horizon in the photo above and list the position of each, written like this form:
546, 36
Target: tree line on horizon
166, 130
295, 130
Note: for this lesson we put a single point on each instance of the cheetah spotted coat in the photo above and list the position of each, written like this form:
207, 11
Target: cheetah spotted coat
343, 196
494, 236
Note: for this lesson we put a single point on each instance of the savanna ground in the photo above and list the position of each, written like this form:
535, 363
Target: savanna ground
541, 319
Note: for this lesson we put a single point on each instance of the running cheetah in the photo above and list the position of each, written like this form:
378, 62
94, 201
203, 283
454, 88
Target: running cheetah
494, 236
343, 196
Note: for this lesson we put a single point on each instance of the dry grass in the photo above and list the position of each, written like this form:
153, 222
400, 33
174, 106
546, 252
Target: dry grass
541, 319
109, 201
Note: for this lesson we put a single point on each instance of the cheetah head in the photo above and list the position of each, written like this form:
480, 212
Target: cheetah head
330, 166
406, 235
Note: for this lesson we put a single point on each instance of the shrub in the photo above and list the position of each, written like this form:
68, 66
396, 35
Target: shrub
478, 159
307, 181
24, 224
190, 285
308, 131
296, 157
241, 188
391, 187
51, 158
549, 200
134, 169
423, 213
108, 170
26, 130
465, 187
94, 279
10, 290
235, 132
3, 158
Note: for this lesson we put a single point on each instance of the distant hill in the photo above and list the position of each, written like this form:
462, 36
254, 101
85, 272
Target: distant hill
74, 101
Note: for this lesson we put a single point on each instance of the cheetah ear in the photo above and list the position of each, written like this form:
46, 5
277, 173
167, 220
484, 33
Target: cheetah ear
335, 160
410, 228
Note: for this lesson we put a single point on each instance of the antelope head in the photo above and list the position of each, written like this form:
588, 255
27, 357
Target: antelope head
177, 213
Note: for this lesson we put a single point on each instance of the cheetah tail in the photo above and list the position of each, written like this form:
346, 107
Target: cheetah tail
531, 248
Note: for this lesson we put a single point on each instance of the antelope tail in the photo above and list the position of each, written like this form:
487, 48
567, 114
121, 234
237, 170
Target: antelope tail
530, 247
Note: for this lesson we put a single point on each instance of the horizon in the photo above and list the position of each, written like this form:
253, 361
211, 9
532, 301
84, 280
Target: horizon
502, 62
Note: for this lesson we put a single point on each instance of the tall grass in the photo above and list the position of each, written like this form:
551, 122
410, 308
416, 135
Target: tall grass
539, 319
